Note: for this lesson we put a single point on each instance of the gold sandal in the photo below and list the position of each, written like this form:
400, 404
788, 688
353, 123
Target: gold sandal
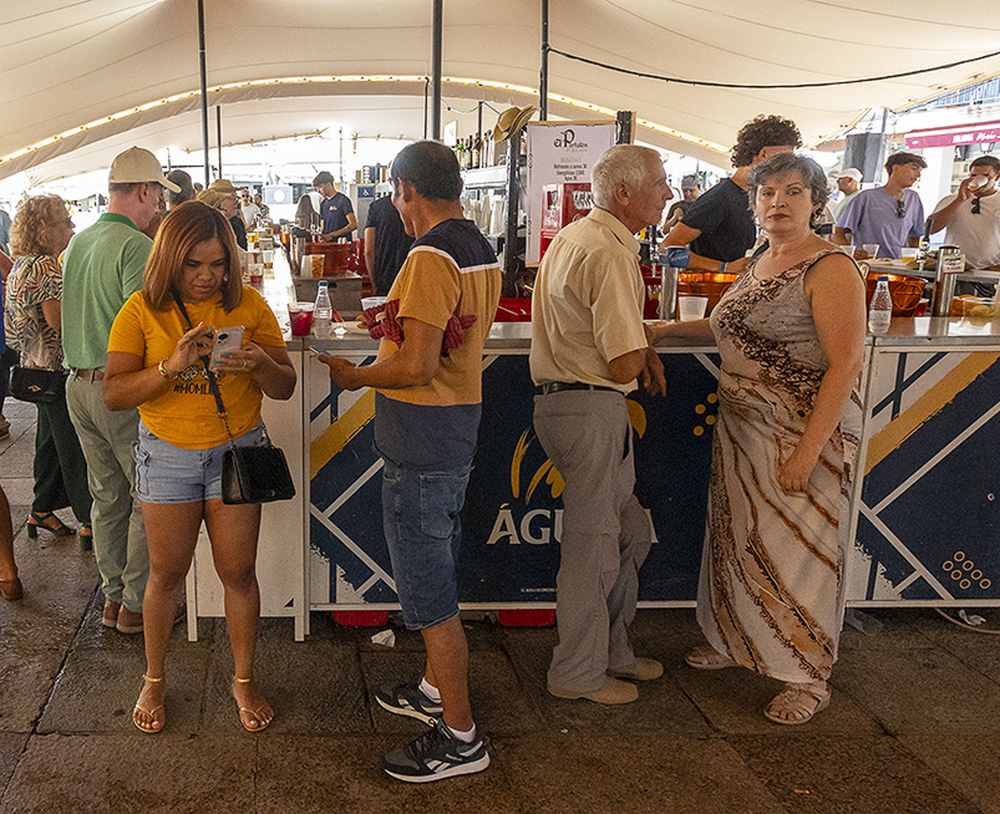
150, 712
803, 701
261, 726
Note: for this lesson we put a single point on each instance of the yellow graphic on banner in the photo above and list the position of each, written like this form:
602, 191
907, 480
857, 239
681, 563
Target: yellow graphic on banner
892, 436
637, 418
335, 437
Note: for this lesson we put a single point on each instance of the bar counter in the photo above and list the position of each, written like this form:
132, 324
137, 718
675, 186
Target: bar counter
924, 513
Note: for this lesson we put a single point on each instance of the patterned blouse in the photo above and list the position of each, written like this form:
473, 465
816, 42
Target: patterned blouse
34, 279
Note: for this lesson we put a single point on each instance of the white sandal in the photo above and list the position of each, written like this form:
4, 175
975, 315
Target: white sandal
708, 658
803, 701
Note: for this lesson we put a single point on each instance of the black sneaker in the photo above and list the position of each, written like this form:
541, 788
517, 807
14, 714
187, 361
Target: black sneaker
408, 699
435, 755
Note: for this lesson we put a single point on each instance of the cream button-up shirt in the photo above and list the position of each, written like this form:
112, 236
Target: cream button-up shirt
587, 305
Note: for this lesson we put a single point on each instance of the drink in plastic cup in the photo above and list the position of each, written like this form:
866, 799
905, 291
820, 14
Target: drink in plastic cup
300, 315
691, 308
871, 249
908, 252
268, 257
371, 302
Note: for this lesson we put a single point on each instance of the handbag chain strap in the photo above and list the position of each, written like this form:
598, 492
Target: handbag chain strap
213, 383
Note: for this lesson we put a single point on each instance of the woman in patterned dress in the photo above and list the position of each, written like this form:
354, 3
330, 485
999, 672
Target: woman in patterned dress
790, 332
32, 317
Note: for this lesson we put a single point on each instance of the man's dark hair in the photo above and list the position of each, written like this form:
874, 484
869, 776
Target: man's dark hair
986, 161
183, 180
904, 158
432, 168
763, 131
322, 178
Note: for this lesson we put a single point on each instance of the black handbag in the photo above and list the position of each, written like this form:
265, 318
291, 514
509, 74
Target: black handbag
257, 474
37, 385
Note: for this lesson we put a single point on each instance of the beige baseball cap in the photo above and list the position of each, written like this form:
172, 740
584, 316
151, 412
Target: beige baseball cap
137, 166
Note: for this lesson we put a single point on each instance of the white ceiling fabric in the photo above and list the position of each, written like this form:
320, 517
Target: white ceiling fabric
65, 64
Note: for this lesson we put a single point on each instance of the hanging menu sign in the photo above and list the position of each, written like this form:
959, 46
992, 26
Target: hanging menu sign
559, 153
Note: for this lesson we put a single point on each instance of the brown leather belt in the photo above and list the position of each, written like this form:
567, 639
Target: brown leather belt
91, 374
555, 387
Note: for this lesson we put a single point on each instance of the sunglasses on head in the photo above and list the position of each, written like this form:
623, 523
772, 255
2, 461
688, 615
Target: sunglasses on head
975, 206
900, 209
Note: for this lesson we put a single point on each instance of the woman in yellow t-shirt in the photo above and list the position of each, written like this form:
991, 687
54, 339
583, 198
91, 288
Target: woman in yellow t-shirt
154, 363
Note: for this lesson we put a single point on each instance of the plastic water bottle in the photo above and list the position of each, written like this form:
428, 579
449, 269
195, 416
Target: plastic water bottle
323, 312
880, 313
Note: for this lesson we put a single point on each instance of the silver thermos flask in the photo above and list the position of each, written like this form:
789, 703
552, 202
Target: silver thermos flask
672, 260
950, 263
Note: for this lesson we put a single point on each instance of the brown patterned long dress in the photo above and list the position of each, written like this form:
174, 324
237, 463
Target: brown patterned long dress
771, 588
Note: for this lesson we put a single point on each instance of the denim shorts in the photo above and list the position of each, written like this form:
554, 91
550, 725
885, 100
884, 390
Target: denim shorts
168, 474
420, 512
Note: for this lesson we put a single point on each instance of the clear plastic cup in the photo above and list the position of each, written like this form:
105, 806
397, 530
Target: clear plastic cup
691, 308
871, 249
300, 315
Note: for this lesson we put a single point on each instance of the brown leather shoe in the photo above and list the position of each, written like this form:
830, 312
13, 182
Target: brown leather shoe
129, 621
643, 670
613, 692
11, 589
110, 616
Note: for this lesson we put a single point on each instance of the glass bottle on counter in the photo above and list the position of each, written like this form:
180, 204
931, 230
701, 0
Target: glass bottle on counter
880, 312
323, 312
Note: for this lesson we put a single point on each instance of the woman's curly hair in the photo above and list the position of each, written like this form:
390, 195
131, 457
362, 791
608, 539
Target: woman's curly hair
764, 131
30, 221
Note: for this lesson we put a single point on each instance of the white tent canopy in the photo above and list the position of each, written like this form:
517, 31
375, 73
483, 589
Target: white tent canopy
80, 80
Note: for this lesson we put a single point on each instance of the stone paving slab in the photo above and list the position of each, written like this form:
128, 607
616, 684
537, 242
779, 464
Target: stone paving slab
314, 687
310, 775
26, 680
661, 702
966, 762
11, 746
920, 691
152, 774
733, 702
97, 690
631, 772
848, 775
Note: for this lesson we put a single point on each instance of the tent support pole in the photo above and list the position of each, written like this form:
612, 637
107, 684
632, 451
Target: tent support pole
436, 70
543, 79
218, 135
204, 88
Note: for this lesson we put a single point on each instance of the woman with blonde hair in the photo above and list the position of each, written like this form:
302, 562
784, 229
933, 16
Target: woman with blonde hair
40, 233
157, 361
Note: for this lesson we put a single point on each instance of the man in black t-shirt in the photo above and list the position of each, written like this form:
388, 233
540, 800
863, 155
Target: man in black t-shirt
386, 244
719, 226
335, 210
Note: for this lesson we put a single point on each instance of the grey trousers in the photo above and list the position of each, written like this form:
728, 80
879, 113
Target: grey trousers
605, 534
116, 515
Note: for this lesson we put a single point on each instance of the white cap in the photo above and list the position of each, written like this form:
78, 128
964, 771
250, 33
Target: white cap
138, 166
849, 172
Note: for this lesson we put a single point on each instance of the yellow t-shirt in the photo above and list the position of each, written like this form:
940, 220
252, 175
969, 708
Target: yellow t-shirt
186, 415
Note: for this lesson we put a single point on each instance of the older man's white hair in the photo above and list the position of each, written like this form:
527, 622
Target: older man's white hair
623, 163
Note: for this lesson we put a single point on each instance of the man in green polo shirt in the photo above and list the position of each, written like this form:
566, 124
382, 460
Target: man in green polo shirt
102, 268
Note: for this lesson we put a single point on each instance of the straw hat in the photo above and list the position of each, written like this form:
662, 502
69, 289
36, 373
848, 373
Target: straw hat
223, 185
511, 121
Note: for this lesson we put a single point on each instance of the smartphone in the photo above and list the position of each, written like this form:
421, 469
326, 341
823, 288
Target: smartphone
225, 340
314, 351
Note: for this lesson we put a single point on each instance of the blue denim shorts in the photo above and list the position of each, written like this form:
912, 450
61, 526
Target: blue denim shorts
168, 474
420, 512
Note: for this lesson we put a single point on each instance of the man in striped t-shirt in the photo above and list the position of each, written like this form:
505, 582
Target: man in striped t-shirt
428, 381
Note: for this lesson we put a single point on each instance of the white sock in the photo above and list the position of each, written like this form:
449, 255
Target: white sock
430, 690
465, 737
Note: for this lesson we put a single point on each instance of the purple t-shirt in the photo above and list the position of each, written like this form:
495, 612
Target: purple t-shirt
872, 216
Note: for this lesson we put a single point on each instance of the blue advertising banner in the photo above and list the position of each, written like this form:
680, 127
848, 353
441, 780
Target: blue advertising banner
513, 510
